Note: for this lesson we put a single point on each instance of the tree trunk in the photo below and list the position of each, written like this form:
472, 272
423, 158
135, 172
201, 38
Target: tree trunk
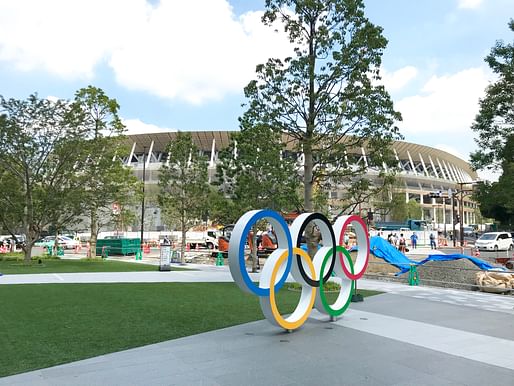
94, 234
311, 236
255, 258
56, 242
183, 246
27, 249
28, 217
183, 243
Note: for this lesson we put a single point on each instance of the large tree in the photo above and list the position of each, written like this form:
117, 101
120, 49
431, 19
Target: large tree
495, 120
38, 156
327, 97
494, 125
496, 199
106, 180
183, 185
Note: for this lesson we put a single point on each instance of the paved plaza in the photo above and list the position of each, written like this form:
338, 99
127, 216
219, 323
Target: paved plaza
406, 336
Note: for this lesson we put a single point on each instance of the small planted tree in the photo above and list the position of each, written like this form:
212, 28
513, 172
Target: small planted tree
255, 173
105, 179
38, 155
183, 185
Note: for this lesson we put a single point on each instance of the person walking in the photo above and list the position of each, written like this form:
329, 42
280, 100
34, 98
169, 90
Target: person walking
414, 240
432, 241
402, 244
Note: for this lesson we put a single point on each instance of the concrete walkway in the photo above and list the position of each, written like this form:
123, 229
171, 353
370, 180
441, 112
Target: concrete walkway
407, 336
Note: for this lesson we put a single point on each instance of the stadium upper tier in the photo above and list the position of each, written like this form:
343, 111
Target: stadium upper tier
417, 162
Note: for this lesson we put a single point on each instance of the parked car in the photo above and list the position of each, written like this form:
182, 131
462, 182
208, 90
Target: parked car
9, 240
495, 241
63, 241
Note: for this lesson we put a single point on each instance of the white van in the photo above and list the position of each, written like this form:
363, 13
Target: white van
495, 241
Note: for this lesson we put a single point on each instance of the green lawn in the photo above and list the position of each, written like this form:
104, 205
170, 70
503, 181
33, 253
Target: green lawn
82, 265
47, 324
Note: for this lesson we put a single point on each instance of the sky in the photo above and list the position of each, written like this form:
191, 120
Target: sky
182, 65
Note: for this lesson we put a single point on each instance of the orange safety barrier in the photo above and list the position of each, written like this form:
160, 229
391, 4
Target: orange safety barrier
146, 248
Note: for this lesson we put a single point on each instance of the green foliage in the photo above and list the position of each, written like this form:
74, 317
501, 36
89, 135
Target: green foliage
494, 125
325, 97
495, 120
39, 151
253, 174
414, 210
104, 177
183, 184
496, 199
399, 211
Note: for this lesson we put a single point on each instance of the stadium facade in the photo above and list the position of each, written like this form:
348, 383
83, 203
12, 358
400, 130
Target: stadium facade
423, 170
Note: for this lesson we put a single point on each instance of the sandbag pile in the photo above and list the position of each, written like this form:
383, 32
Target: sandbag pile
494, 281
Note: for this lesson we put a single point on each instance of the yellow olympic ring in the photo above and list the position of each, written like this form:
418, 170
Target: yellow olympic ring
303, 309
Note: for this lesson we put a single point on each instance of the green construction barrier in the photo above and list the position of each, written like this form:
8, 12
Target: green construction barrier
122, 246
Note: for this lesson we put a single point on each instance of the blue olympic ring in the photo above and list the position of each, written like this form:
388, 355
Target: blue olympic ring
237, 248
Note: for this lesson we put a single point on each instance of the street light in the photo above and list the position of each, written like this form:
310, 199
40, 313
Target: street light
143, 199
462, 192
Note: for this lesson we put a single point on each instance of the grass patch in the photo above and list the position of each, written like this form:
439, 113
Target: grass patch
47, 324
69, 266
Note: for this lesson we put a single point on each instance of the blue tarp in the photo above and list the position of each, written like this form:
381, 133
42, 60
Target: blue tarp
382, 249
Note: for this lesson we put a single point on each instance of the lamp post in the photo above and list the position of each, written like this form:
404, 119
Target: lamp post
444, 217
453, 217
143, 199
463, 191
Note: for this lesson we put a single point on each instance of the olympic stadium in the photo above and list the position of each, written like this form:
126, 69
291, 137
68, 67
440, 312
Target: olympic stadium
423, 170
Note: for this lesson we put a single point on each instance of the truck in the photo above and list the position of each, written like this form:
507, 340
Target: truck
195, 239
409, 225
204, 239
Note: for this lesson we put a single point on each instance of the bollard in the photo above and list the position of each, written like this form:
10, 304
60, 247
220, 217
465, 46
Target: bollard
413, 275
219, 260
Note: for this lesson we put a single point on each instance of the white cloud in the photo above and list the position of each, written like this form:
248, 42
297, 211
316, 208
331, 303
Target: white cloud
447, 104
398, 79
136, 126
196, 58
469, 4
64, 38
193, 50
488, 175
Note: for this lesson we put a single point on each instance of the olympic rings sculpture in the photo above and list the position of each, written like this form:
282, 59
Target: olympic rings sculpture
331, 258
